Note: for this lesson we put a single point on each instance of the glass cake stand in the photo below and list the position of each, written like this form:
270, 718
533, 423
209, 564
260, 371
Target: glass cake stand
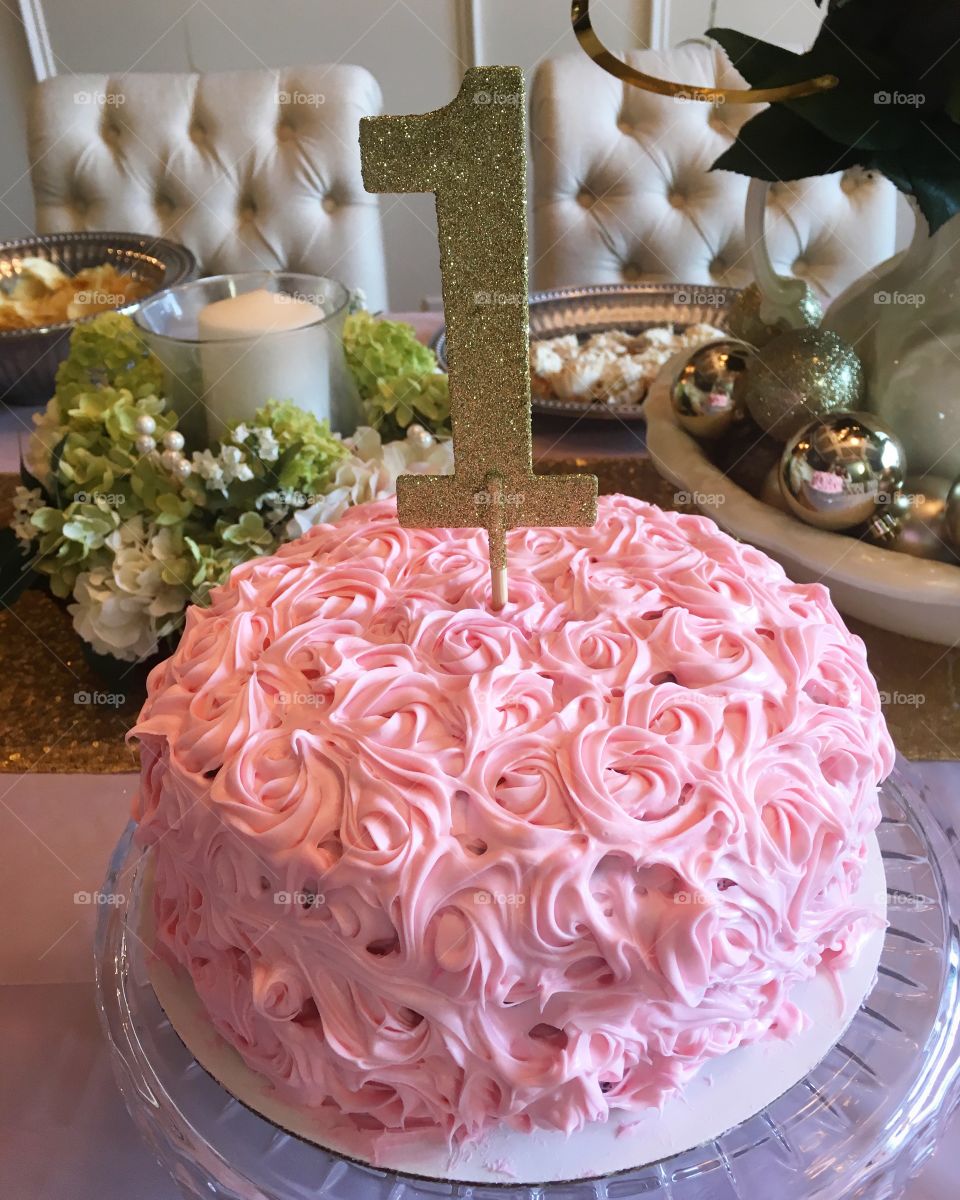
859, 1125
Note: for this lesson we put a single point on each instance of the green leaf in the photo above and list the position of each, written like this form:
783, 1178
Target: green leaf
16, 573
30, 481
755, 60
777, 145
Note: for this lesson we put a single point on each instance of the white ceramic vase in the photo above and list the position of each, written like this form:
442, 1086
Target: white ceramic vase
903, 319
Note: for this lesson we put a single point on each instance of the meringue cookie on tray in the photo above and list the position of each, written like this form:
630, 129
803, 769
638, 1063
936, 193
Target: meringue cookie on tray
613, 368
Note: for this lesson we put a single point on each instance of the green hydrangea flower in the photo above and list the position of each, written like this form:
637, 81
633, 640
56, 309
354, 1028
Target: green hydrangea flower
406, 399
378, 349
248, 531
306, 451
108, 352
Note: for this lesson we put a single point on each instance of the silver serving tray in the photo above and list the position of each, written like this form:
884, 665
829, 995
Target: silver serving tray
629, 306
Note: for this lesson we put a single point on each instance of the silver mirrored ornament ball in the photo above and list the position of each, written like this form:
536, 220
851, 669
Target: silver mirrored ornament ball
922, 529
707, 394
753, 320
841, 470
800, 375
952, 515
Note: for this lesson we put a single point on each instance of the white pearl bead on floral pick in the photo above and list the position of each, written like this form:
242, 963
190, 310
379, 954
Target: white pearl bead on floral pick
145, 444
146, 425
183, 470
419, 436
170, 460
173, 440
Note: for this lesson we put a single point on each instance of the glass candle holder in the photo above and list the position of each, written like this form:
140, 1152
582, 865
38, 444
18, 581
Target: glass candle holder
230, 343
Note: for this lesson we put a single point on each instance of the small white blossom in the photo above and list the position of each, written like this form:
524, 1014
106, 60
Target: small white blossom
210, 470
241, 433
370, 473
269, 447
234, 465
26, 501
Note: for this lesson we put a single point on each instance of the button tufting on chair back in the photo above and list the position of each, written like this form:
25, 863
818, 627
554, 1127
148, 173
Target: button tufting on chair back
623, 189
251, 170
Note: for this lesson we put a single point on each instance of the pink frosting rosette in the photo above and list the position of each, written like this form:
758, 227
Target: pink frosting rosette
446, 867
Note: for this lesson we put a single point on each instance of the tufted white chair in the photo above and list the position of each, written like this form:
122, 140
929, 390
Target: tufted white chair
250, 169
623, 188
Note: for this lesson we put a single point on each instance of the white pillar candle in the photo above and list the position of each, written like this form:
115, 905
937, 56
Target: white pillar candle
262, 346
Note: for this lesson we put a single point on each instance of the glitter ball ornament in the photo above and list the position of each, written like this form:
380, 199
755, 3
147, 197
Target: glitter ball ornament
145, 444
747, 320
146, 425
800, 375
841, 471
707, 395
173, 440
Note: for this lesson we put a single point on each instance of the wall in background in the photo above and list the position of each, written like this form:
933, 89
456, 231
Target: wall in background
418, 50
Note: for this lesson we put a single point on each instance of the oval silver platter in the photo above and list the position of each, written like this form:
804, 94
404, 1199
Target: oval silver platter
628, 306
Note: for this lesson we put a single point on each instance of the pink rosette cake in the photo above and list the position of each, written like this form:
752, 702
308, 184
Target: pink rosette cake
441, 866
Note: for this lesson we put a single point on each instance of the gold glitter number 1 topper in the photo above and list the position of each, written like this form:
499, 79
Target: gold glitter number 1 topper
471, 155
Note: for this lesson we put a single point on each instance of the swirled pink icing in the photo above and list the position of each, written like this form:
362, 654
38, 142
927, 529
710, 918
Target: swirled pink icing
441, 866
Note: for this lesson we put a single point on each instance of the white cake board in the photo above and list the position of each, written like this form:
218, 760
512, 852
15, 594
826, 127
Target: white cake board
726, 1092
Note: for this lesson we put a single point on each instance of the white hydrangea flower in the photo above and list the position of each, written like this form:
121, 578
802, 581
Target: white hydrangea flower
120, 609
26, 501
370, 473
241, 433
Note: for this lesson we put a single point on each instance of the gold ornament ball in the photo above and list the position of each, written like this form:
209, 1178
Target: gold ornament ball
800, 375
707, 394
841, 471
745, 322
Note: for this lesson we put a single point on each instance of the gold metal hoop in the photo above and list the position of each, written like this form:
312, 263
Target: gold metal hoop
583, 28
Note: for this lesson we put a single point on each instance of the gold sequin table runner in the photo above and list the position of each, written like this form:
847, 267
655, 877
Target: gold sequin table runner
58, 716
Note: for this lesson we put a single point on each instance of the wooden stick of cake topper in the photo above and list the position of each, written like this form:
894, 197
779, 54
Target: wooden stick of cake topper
472, 155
